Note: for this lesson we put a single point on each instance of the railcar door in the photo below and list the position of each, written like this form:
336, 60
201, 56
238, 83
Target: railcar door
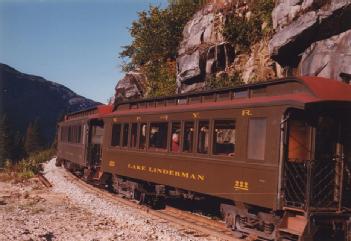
94, 148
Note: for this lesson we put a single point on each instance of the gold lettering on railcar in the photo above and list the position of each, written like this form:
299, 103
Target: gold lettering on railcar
246, 113
168, 172
111, 163
241, 185
196, 115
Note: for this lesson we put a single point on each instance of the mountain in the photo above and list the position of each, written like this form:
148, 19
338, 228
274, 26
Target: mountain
25, 98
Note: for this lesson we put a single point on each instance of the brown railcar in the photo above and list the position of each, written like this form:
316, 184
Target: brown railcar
277, 153
80, 138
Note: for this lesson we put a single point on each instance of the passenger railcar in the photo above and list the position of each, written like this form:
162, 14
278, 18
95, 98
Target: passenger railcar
80, 138
277, 154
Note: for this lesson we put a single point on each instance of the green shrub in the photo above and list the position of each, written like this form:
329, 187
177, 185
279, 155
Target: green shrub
224, 81
161, 78
30, 166
243, 32
156, 35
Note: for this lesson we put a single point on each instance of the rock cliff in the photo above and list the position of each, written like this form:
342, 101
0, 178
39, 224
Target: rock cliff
312, 37
307, 37
25, 98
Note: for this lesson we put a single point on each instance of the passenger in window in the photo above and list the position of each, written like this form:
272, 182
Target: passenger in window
188, 137
175, 135
142, 136
175, 142
203, 137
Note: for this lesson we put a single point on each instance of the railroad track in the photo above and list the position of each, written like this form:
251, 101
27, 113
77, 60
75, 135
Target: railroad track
43, 180
199, 226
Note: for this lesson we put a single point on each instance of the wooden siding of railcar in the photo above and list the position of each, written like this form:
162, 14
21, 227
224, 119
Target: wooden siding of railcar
74, 152
220, 172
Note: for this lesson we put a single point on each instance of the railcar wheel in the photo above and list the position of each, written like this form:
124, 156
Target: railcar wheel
137, 195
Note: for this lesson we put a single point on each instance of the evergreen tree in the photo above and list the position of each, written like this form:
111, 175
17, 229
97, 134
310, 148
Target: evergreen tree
32, 142
6, 140
18, 147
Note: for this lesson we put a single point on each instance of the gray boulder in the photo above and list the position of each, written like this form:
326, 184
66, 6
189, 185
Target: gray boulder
132, 86
314, 23
202, 52
328, 58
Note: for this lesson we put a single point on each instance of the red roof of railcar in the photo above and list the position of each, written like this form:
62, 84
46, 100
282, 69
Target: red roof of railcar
319, 89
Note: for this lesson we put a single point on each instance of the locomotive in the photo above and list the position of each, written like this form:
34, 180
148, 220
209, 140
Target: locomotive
276, 154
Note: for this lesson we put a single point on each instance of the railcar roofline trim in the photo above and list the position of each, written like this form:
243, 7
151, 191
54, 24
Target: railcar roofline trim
319, 89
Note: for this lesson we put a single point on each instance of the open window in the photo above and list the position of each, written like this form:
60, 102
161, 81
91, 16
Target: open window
203, 137
188, 140
142, 136
175, 136
224, 137
116, 135
133, 135
125, 134
158, 135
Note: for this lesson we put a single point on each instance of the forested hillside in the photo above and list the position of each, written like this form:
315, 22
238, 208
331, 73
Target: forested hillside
30, 108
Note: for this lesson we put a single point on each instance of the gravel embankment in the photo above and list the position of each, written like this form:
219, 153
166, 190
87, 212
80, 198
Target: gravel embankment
121, 222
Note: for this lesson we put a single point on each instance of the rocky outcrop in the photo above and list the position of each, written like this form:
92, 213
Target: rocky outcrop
328, 58
203, 51
300, 23
132, 86
257, 65
25, 98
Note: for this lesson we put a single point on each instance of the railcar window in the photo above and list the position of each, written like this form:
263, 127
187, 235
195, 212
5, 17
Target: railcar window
224, 137
257, 138
133, 135
79, 134
116, 135
63, 134
125, 134
202, 137
158, 135
241, 94
188, 140
69, 134
142, 136
175, 141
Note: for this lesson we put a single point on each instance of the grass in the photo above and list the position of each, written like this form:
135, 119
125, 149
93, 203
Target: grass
26, 168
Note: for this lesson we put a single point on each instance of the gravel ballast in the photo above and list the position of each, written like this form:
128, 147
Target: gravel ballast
123, 222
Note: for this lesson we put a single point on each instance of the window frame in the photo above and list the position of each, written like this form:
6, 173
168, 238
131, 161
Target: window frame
170, 126
197, 129
183, 136
146, 136
128, 137
120, 135
157, 149
250, 159
213, 140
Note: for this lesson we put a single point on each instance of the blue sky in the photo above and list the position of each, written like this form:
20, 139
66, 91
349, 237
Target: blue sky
72, 42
